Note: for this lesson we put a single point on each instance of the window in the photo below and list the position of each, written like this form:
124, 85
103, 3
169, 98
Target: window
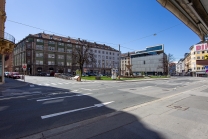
39, 54
202, 52
39, 47
95, 51
69, 57
99, 51
68, 63
198, 57
109, 57
51, 55
51, 42
99, 56
144, 62
103, 52
39, 62
60, 56
198, 68
28, 61
59, 43
60, 49
68, 40
106, 52
69, 45
113, 58
203, 68
39, 40
51, 63
198, 52
60, 63
103, 57
202, 57
51, 48
118, 54
113, 53
51, 37
29, 45
60, 39
95, 56
69, 50
106, 57
110, 53
28, 53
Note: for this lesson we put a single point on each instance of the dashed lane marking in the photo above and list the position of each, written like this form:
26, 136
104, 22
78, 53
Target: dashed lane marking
78, 95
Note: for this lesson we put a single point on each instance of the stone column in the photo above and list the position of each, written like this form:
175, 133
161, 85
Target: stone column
3, 81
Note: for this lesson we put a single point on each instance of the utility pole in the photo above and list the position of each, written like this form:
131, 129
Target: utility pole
119, 64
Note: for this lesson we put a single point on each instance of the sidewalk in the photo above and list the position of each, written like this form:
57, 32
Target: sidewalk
180, 116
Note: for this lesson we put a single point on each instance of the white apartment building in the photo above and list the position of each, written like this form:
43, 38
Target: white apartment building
106, 59
180, 67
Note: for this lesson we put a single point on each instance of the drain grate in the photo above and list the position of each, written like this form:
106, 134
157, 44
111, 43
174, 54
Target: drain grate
178, 107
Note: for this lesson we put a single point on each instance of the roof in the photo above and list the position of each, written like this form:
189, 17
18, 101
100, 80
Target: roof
126, 54
193, 13
53, 37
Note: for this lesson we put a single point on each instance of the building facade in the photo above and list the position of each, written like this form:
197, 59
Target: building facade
172, 68
106, 59
187, 64
180, 70
149, 61
7, 41
51, 53
125, 60
198, 52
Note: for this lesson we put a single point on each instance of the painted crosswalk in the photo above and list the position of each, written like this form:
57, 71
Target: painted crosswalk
65, 83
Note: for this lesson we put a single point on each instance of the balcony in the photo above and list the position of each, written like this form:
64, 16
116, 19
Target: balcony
7, 43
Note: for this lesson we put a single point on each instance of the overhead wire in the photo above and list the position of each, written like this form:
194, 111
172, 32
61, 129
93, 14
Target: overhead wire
94, 40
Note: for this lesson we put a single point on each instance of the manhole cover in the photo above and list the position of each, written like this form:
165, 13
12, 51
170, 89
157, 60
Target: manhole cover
178, 107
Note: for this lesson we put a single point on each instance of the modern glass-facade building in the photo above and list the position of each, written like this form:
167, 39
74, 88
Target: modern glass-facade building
150, 61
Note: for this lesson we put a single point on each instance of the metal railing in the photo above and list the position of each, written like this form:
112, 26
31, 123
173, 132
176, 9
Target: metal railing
7, 36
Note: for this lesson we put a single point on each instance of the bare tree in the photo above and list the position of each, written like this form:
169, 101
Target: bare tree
82, 54
166, 61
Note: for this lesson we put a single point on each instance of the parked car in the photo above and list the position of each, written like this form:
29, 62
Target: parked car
41, 74
15, 75
6, 74
57, 74
84, 74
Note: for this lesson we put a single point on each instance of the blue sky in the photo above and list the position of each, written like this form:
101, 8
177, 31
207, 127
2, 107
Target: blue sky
124, 22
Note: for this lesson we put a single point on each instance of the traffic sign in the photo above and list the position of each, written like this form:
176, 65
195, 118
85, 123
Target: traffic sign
24, 66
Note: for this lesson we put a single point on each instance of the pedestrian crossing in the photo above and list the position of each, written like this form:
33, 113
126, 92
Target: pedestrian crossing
65, 83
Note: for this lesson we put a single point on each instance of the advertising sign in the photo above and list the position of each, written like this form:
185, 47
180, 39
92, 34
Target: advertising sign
201, 47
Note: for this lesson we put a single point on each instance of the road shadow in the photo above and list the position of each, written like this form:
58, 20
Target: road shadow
22, 116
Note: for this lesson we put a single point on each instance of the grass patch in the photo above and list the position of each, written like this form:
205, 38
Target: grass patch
93, 78
158, 77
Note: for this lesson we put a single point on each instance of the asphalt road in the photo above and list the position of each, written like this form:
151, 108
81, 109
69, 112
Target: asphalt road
48, 102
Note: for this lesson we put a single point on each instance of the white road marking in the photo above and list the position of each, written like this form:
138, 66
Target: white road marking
47, 84
59, 83
39, 84
37, 98
86, 89
78, 95
146, 87
53, 84
66, 83
65, 112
